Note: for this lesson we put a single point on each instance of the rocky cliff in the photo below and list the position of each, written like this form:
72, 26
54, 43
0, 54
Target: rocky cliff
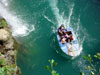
8, 51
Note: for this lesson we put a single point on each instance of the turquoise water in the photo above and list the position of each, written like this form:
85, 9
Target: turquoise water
38, 45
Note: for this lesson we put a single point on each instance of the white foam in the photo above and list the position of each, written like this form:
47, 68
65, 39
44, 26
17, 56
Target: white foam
60, 17
69, 17
5, 2
48, 19
18, 26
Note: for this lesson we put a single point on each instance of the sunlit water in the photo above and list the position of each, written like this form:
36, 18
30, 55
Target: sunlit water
34, 24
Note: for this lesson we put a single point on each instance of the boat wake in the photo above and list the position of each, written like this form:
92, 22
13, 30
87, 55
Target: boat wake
18, 26
46, 17
60, 18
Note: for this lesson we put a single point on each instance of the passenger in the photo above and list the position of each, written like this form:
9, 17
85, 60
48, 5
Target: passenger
61, 30
62, 26
69, 32
69, 37
66, 36
68, 40
63, 40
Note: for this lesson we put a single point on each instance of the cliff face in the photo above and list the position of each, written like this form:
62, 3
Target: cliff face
8, 51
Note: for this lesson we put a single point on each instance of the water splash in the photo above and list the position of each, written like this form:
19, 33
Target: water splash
17, 25
5, 2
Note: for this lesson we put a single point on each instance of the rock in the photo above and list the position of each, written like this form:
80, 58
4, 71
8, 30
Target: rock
1, 57
10, 57
9, 44
8, 47
4, 35
12, 53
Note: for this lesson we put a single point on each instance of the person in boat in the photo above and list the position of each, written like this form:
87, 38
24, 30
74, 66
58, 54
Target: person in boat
65, 36
61, 32
61, 29
69, 37
65, 39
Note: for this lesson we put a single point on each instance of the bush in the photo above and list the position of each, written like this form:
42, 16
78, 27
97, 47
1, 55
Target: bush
3, 23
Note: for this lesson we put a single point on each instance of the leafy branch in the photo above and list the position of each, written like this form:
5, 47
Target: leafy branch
91, 66
51, 67
3, 23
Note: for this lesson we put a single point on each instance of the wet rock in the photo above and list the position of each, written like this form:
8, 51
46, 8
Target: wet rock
9, 44
4, 35
12, 53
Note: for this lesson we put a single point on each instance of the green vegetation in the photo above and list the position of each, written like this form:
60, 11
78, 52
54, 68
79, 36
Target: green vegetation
92, 67
51, 67
4, 68
2, 60
3, 23
81, 73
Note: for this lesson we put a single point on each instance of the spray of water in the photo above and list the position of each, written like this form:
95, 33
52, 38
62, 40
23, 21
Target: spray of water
17, 25
5, 2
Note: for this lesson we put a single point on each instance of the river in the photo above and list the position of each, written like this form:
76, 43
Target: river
34, 24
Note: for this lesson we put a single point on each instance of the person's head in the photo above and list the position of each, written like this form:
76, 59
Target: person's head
62, 25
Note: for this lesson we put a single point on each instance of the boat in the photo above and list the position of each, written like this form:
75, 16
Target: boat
69, 49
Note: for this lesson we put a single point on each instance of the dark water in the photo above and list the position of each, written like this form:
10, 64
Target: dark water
41, 45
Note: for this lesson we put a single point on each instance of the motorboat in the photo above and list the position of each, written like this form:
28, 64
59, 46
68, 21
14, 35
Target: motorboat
70, 48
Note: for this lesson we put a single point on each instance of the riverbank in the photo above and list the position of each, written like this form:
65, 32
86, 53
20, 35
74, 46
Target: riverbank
8, 51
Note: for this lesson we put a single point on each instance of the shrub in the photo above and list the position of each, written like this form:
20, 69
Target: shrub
3, 23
